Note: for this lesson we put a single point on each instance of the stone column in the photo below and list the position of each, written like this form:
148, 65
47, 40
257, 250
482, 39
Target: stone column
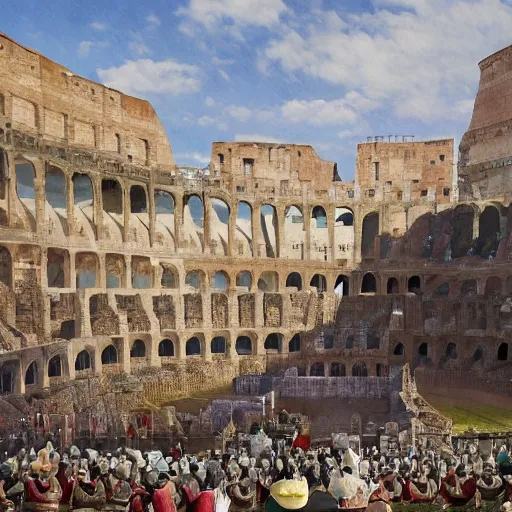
98, 206
280, 237
331, 220
98, 367
70, 203
151, 209
124, 355
126, 211
178, 221
101, 279
72, 271
231, 230
306, 209
71, 361
39, 191
128, 278
256, 230
207, 223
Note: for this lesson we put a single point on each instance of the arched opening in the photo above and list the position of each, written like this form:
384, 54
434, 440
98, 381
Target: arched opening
142, 272
369, 234
109, 355
503, 352
194, 208
25, 179
478, 355
195, 279
31, 374
489, 232
83, 361
269, 230
219, 226
5, 267
57, 269
294, 343
55, 189
317, 370
372, 340
166, 348
451, 351
461, 223
112, 197
244, 279
84, 201
116, 271
243, 231
274, 342
359, 370
318, 213
218, 345
7, 376
220, 281
349, 342
243, 346
369, 283
55, 367
341, 287
338, 370
442, 289
86, 269
423, 350
393, 286
164, 219
169, 277
268, 282
344, 216
319, 282
138, 201
399, 350
138, 349
469, 288
319, 235
294, 280
294, 233
343, 233
328, 341
193, 347
493, 287
414, 284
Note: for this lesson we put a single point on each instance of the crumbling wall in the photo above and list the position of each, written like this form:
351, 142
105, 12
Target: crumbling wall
193, 304
136, 316
272, 309
104, 321
163, 307
246, 304
220, 315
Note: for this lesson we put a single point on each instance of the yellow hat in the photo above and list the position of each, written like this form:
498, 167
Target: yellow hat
290, 494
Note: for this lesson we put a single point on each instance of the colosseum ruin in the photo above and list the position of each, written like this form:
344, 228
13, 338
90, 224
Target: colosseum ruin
128, 281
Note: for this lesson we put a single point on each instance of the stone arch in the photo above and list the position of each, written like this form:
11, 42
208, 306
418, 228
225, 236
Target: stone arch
294, 232
116, 271
165, 219
142, 273
57, 268
461, 222
294, 343
424, 350
319, 234
138, 349
399, 350
478, 356
109, 355
269, 230
493, 287
359, 370
317, 370
469, 287
55, 211
55, 366
244, 228
274, 341
414, 284
370, 231
268, 282
341, 287
112, 197
349, 342
489, 232
294, 280
320, 217
503, 352
5, 267
32, 374
393, 286
193, 347
170, 277
166, 348
369, 283
218, 345
83, 194
196, 279
86, 270
83, 361
219, 226
319, 282
451, 351
193, 222
8, 377
343, 233
243, 346
138, 199
244, 279
338, 370
220, 281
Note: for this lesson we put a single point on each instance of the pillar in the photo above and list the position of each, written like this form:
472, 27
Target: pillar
70, 203
207, 235
256, 230
233, 212
307, 236
151, 209
178, 221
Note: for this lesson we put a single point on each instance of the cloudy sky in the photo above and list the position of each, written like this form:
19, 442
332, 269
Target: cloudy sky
327, 73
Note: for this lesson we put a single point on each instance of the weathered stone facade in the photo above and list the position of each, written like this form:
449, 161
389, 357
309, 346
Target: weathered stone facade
116, 262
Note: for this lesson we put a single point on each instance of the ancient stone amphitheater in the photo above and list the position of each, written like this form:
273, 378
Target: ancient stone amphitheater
128, 281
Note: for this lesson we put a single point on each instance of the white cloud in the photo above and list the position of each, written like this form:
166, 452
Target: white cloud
84, 48
193, 156
99, 26
239, 113
224, 75
256, 137
222, 62
417, 58
209, 101
212, 14
153, 20
138, 48
206, 121
147, 76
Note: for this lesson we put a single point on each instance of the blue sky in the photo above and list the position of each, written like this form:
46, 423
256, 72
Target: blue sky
326, 73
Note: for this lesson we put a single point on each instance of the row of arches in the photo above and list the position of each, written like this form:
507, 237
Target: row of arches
424, 353
337, 369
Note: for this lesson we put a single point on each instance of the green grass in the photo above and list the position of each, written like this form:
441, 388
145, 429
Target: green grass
468, 415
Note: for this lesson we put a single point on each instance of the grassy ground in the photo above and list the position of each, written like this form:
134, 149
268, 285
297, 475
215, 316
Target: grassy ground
467, 414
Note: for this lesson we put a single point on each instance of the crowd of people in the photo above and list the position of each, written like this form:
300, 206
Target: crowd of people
278, 477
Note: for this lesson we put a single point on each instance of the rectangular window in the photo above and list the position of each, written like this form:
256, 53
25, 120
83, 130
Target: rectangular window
350, 194
441, 157
389, 184
432, 162
2, 105
248, 165
424, 193
221, 158
399, 196
371, 192
118, 142
240, 189
376, 166
446, 191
